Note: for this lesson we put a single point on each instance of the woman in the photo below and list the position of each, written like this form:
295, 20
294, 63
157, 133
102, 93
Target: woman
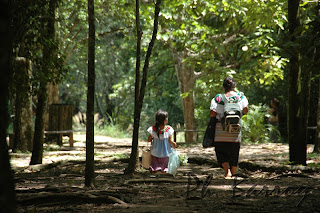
227, 144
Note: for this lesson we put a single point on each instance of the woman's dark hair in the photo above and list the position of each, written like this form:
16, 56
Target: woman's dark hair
160, 117
229, 84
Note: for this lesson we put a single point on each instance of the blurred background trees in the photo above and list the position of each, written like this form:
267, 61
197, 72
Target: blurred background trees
199, 44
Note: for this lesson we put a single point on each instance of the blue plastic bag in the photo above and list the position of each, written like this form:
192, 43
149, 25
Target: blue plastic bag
174, 162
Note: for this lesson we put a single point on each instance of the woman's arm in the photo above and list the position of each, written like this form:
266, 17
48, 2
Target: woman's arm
213, 113
245, 110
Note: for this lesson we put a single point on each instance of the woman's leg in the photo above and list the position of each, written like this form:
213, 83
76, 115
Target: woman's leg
233, 170
226, 168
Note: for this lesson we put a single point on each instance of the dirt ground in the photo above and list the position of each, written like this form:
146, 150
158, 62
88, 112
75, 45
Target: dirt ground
265, 182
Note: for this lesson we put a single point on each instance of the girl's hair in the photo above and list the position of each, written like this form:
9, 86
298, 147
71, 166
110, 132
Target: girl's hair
160, 117
229, 84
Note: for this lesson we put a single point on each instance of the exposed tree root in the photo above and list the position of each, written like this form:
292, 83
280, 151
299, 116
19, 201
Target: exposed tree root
51, 198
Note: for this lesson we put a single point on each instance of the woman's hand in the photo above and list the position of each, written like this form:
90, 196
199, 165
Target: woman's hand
245, 110
213, 113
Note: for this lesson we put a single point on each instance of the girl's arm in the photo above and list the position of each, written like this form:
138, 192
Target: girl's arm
150, 139
173, 144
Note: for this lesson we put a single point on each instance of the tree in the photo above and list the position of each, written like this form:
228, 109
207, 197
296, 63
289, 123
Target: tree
7, 193
187, 79
23, 122
316, 32
317, 142
89, 172
140, 89
47, 66
296, 124
207, 45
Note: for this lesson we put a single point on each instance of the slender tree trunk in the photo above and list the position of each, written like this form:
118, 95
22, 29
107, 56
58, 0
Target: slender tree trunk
134, 156
37, 151
186, 78
316, 148
140, 91
296, 120
7, 193
89, 172
48, 54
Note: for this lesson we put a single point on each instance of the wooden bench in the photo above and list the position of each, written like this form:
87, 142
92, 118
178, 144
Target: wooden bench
61, 133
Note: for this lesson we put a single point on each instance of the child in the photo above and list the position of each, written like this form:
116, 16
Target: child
161, 142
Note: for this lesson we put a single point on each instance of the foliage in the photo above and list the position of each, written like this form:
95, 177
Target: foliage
238, 38
110, 130
254, 127
183, 159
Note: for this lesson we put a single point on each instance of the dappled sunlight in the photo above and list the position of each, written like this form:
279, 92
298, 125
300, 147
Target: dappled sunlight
197, 182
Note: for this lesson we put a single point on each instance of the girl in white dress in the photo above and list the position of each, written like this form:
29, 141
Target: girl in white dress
161, 142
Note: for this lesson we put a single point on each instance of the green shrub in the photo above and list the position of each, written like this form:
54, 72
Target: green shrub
254, 126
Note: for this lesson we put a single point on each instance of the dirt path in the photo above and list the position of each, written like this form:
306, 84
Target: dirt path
265, 183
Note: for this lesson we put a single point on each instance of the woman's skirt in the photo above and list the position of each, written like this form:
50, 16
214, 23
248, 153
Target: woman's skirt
227, 146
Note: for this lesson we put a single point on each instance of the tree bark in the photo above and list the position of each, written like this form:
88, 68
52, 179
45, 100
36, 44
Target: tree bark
89, 171
48, 55
7, 192
140, 91
316, 148
297, 129
23, 123
37, 151
187, 79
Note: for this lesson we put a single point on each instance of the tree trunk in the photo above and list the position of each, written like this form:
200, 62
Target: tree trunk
140, 91
89, 172
186, 78
316, 148
23, 123
37, 151
7, 193
48, 55
297, 129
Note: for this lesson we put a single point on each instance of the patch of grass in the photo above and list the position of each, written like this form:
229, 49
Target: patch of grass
120, 155
313, 155
111, 131
20, 152
115, 155
314, 165
50, 147
183, 159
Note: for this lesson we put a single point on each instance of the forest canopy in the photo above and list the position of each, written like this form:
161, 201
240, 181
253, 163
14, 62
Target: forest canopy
198, 44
